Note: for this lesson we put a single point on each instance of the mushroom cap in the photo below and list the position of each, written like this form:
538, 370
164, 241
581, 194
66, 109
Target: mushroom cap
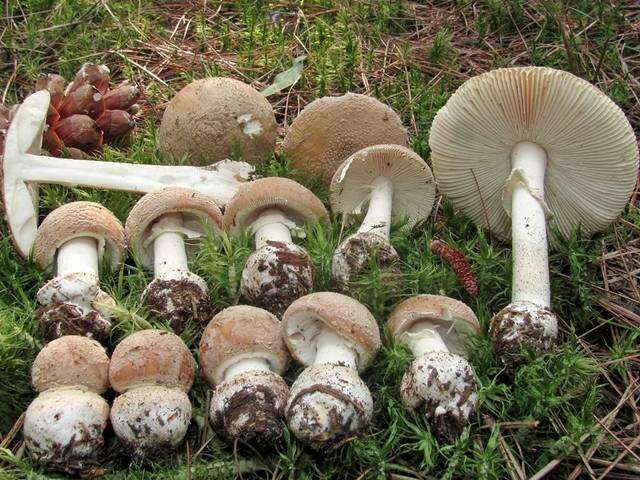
79, 219
330, 129
453, 319
212, 117
238, 333
348, 318
592, 156
151, 357
199, 212
414, 188
298, 203
69, 361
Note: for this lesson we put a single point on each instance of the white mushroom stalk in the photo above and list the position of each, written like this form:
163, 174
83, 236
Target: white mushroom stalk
79, 255
378, 217
169, 252
332, 349
273, 226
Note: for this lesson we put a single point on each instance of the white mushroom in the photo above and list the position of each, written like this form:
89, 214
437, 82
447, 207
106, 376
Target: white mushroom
516, 147
157, 228
391, 181
23, 168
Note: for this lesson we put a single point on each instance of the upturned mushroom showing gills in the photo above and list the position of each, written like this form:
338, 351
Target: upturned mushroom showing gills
331, 129
153, 371
23, 168
516, 148
274, 209
74, 238
440, 382
390, 181
335, 337
63, 427
159, 230
243, 354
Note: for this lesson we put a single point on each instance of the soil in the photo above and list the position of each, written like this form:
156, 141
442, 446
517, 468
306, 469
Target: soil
59, 319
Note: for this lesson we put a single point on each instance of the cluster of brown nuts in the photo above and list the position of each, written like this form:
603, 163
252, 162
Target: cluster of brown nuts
503, 146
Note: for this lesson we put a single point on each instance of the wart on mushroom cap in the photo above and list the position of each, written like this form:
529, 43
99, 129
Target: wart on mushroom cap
392, 182
210, 118
440, 381
330, 129
274, 209
75, 237
156, 230
243, 354
23, 168
517, 146
64, 425
152, 370
335, 336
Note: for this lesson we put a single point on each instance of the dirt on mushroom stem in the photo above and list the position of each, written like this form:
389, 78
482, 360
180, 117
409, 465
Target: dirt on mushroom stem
59, 319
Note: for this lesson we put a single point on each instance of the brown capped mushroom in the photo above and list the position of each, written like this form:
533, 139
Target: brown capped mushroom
274, 209
74, 238
335, 337
243, 354
331, 129
153, 371
63, 427
440, 382
516, 147
390, 181
159, 230
212, 118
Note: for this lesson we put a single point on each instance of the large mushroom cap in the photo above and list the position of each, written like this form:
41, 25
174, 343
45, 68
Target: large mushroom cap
212, 118
414, 188
592, 156
79, 219
452, 318
330, 129
306, 317
253, 198
72, 360
151, 357
241, 332
198, 211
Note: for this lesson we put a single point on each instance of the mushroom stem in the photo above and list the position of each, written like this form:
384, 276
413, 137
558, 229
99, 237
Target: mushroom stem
246, 365
378, 218
220, 183
332, 349
272, 225
79, 255
423, 337
169, 252
529, 226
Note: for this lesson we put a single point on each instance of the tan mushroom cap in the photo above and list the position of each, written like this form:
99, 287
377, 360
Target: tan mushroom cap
151, 357
453, 318
211, 118
296, 201
592, 155
348, 318
241, 332
330, 129
414, 188
72, 360
199, 212
79, 219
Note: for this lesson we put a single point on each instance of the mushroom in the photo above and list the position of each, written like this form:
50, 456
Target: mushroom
331, 129
274, 209
213, 118
335, 337
440, 381
63, 426
156, 230
517, 147
153, 371
23, 168
391, 181
243, 354
74, 238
